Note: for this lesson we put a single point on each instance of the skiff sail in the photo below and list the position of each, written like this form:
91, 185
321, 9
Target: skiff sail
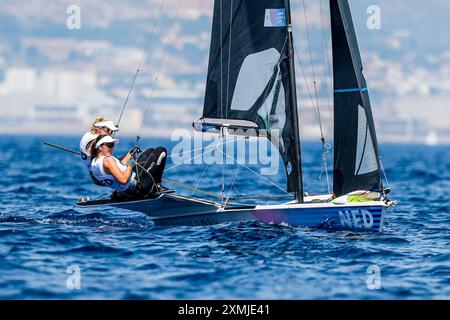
248, 74
356, 159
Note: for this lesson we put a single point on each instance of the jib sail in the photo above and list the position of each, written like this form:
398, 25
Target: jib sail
356, 160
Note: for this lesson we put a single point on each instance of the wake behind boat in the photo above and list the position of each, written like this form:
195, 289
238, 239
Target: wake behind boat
251, 91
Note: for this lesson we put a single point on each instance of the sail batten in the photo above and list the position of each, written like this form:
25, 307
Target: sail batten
356, 160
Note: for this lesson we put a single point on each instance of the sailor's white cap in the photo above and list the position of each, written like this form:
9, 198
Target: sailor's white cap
109, 124
107, 139
85, 140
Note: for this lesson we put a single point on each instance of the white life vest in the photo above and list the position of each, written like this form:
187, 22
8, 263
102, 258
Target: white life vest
106, 179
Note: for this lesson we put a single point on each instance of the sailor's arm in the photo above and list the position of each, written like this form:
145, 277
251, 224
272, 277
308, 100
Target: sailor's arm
111, 167
126, 158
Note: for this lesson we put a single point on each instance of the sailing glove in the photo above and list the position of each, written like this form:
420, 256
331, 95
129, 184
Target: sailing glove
131, 162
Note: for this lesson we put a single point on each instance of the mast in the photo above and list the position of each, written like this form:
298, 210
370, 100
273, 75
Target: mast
293, 97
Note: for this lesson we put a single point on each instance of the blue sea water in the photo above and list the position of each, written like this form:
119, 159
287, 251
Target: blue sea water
50, 249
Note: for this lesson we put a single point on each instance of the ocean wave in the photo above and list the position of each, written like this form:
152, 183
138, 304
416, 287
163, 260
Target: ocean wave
123, 255
93, 248
74, 217
14, 219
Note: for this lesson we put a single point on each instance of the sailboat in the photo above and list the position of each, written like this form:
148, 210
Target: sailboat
250, 88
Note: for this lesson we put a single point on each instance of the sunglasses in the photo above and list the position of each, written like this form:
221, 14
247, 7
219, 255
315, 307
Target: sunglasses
109, 144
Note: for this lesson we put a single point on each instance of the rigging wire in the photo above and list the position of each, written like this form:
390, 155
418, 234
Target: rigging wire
306, 83
183, 162
222, 136
257, 174
142, 60
190, 188
138, 137
316, 105
212, 146
232, 185
312, 69
229, 60
201, 148
325, 146
384, 172
328, 62
221, 60
196, 189
200, 177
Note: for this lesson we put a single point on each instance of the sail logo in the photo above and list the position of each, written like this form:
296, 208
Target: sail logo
357, 219
275, 18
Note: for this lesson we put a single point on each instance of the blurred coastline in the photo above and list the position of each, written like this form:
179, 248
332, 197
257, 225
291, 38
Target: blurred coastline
56, 80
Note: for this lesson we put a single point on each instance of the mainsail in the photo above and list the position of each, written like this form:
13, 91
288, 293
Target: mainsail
356, 160
248, 74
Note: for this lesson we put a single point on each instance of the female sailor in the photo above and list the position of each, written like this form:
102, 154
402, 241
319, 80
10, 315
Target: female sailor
129, 177
100, 126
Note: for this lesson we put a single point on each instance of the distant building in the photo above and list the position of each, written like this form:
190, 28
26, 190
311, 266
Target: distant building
52, 101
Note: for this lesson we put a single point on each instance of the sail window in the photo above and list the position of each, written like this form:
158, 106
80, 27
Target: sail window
366, 161
254, 75
272, 110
